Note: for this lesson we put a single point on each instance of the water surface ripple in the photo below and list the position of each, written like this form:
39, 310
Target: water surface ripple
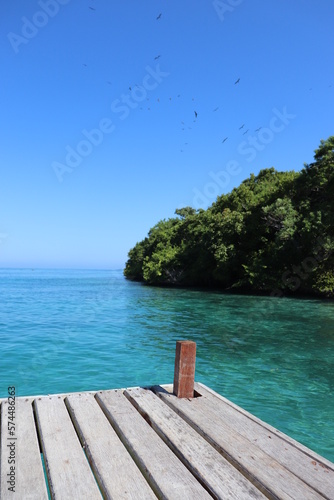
63, 331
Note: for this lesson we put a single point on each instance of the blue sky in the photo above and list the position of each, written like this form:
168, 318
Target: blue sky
88, 166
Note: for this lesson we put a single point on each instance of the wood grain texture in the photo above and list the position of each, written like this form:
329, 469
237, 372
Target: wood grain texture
167, 475
204, 414
220, 478
313, 469
67, 467
115, 471
29, 475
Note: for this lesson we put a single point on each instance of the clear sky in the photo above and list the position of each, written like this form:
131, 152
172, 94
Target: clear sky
99, 134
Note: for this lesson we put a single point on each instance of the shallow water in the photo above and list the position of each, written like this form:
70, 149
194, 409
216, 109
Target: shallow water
63, 331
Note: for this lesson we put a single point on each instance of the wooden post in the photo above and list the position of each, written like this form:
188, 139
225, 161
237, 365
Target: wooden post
184, 373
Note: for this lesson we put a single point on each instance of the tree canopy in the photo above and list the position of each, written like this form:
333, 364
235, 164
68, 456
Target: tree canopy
274, 232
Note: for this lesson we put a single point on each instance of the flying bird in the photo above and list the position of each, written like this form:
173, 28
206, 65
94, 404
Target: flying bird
246, 132
216, 109
195, 114
224, 140
91, 8
258, 129
242, 126
237, 81
159, 16
157, 57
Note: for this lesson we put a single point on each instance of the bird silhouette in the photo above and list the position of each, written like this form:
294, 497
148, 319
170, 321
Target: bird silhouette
237, 81
195, 114
216, 109
92, 8
246, 132
258, 129
242, 126
159, 16
225, 140
157, 57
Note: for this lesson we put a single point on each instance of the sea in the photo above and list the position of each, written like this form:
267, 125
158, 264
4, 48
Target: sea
80, 330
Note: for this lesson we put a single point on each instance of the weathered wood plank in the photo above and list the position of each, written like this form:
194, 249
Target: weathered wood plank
303, 462
29, 480
67, 467
115, 471
220, 478
207, 390
262, 469
167, 475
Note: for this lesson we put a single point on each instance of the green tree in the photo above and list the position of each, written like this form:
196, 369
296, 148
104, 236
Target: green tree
274, 230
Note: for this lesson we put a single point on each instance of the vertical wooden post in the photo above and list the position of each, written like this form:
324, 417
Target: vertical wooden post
184, 373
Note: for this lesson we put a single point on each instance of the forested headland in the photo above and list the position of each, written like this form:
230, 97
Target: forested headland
273, 234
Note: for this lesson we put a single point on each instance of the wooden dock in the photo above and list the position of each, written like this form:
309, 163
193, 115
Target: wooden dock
143, 443
180, 441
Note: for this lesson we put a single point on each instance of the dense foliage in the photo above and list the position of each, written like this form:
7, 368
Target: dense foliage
274, 233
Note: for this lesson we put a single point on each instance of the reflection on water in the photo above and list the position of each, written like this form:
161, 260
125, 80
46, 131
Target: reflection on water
66, 331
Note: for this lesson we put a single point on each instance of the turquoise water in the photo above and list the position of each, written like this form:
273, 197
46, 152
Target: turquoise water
64, 331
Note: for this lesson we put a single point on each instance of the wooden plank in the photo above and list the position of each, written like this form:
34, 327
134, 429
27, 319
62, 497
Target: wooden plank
314, 470
262, 469
29, 479
205, 390
167, 475
115, 471
220, 478
68, 470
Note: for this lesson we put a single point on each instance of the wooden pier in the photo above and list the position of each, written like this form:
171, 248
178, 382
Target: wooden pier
143, 443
